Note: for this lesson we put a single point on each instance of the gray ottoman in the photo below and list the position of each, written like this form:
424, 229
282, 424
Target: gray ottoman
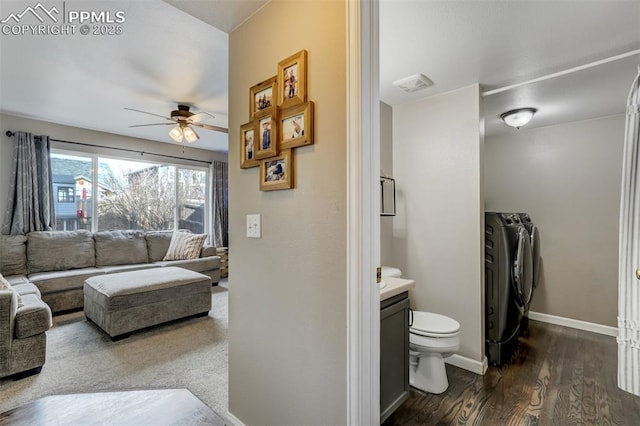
126, 301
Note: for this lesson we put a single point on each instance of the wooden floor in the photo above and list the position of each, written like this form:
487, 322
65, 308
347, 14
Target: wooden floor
558, 376
146, 407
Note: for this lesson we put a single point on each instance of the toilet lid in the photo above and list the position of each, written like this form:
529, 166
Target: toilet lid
430, 324
390, 271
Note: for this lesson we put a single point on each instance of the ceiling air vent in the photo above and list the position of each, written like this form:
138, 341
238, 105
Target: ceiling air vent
413, 83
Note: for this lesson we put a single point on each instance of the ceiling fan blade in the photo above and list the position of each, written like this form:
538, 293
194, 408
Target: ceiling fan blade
210, 127
150, 113
201, 113
154, 124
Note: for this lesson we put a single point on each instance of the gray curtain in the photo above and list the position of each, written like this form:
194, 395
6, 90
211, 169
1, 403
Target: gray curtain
30, 202
629, 251
220, 215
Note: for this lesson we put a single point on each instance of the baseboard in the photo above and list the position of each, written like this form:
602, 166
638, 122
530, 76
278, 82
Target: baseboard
573, 323
468, 363
233, 419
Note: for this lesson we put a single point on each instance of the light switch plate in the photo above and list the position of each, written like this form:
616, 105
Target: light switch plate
253, 226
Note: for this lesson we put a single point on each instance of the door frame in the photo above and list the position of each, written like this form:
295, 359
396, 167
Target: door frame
363, 211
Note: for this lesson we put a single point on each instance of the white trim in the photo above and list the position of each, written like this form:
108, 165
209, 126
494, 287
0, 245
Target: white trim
468, 363
233, 419
363, 224
573, 323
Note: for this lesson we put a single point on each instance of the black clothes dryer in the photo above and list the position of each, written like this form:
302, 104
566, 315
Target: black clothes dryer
534, 235
508, 283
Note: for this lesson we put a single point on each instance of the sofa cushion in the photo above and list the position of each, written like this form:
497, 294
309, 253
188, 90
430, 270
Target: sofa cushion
185, 245
158, 244
16, 279
32, 318
4, 285
208, 250
50, 282
114, 269
26, 288
120, 248
59, 250
200, 264
14, 254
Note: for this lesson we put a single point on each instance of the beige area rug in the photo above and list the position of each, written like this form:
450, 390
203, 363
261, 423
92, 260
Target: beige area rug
190, 353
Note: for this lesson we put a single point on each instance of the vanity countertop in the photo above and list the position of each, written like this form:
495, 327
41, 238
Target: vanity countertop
395, 286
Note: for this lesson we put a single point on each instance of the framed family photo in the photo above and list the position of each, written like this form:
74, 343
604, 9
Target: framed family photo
266, 132
296, 126
277, 172
262, 99
248, 135
292, 80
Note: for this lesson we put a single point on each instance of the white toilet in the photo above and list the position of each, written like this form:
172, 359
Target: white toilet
432, 337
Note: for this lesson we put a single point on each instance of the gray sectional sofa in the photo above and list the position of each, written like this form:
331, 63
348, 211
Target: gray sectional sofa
23, 342
58, 262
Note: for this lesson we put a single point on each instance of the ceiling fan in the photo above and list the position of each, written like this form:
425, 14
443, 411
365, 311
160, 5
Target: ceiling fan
182, 119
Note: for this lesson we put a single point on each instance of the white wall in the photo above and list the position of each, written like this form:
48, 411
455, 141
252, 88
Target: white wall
438, 231
567, 177
386, 169
287, 300
75, 134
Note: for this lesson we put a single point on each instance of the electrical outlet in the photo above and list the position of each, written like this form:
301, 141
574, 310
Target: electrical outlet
253, 226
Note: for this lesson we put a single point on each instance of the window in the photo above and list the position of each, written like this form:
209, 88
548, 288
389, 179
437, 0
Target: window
66, 194
129, 194
191, 199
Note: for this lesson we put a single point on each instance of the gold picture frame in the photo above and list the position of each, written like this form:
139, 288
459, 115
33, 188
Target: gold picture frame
248, 133
295, 126
292, 80
277, 172
262, 98
267, 128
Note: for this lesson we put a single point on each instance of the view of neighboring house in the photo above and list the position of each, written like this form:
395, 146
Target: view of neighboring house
131, 195
73, 192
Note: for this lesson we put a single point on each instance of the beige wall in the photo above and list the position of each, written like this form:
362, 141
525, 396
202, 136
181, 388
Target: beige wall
567, 177
386, 169
75, 134
287, 301
438, 231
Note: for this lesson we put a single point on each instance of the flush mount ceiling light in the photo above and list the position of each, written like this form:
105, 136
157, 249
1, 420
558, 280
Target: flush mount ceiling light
413, 83
518, 117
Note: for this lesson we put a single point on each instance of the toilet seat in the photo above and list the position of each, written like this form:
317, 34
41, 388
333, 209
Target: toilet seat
428, 324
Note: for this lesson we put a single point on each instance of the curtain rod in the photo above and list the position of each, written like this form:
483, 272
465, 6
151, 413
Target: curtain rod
10, 134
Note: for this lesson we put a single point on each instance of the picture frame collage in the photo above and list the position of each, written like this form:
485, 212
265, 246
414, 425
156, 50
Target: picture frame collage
281, 119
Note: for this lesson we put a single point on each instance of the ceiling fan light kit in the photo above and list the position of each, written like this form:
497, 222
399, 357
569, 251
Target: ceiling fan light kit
518, 117
190, 135
184, 120
176, 134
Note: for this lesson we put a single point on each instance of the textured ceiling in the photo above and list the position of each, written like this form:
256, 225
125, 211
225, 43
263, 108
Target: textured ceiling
177, 51
499, 43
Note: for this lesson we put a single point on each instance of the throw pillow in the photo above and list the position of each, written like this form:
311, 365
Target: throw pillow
184, 246
4, 285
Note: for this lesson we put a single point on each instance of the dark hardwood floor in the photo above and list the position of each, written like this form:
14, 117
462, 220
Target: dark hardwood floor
558, 376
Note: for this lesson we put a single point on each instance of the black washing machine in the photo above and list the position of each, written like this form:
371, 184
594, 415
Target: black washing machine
508, 283
534, 235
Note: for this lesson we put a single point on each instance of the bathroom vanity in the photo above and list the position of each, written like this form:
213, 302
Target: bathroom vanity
394, 344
